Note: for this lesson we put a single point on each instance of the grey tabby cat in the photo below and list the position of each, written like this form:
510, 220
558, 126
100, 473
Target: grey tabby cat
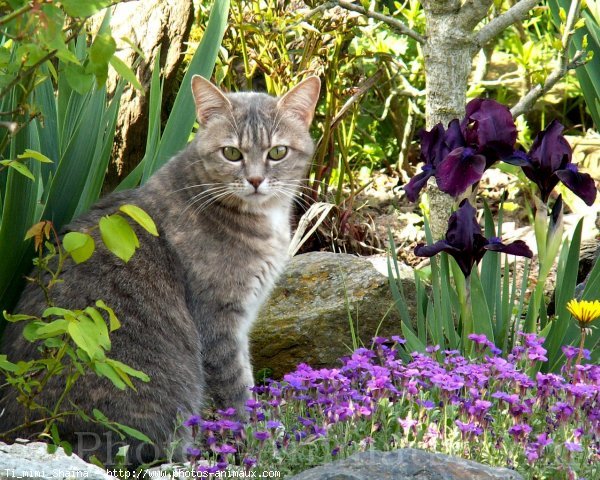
187, 298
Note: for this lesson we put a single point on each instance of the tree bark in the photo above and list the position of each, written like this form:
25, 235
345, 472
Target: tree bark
155, 27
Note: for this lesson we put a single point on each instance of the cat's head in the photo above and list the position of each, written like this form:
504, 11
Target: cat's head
254, 149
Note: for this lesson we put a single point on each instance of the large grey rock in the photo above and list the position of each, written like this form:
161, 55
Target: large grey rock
32, 461
405, 464
307, 317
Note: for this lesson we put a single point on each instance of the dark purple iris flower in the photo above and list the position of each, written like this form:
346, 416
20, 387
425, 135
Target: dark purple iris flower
465, 242
459, 156
549, 161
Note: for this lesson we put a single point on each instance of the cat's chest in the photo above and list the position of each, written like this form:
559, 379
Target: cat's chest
238, 268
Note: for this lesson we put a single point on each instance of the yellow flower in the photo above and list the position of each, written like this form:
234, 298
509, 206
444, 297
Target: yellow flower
584, 311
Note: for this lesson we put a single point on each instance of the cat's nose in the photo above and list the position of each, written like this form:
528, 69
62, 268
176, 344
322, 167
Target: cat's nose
255, 181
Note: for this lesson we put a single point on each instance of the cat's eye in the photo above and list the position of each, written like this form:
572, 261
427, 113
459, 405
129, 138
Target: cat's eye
232, 154
278, 152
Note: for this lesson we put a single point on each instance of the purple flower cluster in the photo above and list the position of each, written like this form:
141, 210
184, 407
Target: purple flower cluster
428, 400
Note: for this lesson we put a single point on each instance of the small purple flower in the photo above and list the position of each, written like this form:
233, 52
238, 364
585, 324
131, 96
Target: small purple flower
398, 339
225, 449
192, 452
262, 436
468, 428
520, 431
479, 339
407, 424
192, 421
273, 424
563, 411
573, 447
571, 352
230, 412
252, 405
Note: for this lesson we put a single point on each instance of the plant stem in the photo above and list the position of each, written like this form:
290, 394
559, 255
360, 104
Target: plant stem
466, 312
581, 345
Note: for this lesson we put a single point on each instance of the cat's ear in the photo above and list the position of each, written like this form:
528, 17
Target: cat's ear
302, 99
209, 100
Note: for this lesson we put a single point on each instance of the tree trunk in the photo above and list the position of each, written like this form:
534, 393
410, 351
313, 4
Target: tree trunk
154, 26
448, 51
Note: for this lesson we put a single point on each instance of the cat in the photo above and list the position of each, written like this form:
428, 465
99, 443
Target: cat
187, 298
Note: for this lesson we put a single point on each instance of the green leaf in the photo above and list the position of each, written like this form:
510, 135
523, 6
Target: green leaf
103, 48
118, 236
28, 153
83, 8
141, 217
81, 246
84, 339
105, 370
58, 312
53, 329
21, 168
17, 317
132, 432
113, 320
78, 78
482, 322
6, 365
129, 370
102, 329
123, 69
98, 415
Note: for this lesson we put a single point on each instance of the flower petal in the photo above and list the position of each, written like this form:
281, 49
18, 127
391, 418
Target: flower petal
518, 158
459, 170
581, 184
433, 147
453, 136
463, 227
422, 250
416, 183
518, 247
489, 126
550, 150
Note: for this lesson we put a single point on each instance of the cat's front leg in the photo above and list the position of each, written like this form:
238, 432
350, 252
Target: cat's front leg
227, 370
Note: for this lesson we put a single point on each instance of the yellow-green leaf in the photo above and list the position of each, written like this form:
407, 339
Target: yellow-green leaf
81, 246
112, 318
118, 236
141, 217
107, 371
40, 157
80, 334
21, 168
103, 338
123, 69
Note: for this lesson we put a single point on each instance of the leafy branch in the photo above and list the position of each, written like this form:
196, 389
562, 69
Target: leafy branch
514, 14
564, 64
396, 24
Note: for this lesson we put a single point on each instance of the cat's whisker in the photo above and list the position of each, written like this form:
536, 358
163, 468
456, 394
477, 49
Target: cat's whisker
209, 202
199, 185
294, 197
215, 191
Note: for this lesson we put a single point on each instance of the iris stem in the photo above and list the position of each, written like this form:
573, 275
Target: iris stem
466, 312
